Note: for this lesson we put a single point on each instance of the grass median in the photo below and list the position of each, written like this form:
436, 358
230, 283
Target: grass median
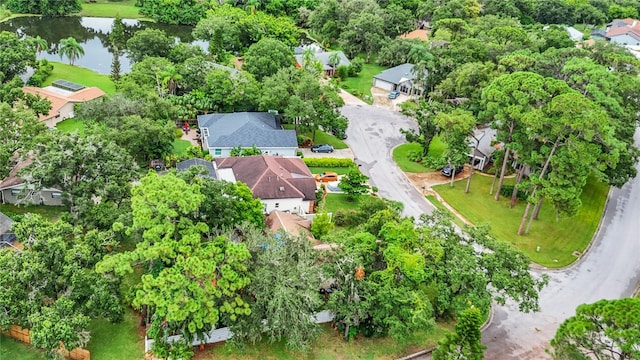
401, 155
559, 242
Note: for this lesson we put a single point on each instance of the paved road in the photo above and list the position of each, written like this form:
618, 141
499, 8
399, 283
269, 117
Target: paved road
609, 270
372, 133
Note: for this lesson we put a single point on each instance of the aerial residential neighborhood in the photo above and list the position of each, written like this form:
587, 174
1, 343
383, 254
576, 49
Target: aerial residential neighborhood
306, 179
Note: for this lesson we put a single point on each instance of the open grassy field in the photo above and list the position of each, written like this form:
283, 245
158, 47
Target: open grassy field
330, 345
116, 341
360, 85
400, 155
558, 240
126, 9
80, 75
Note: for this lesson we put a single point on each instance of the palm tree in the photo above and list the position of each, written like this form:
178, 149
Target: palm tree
334, 61
170, 78
70, 48
39, 44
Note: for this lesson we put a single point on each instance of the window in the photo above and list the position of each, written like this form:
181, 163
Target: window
56, 195
205, 131
217, 152
15, 192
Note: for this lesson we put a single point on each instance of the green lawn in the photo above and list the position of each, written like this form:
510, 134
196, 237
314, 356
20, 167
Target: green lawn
330, 345
180, 147
80, 75
432, 199
337, 170
335, 202
17, 350
71, 125
360, 85
48, 212
322, 138
400, 155
558, 240
126, 9
116, 341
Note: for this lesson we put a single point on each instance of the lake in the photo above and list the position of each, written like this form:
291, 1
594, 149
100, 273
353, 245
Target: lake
92, 33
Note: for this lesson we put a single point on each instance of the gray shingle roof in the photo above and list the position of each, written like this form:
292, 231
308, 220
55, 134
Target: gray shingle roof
324, 59
245, 129
396, 74
5, 223
186, 164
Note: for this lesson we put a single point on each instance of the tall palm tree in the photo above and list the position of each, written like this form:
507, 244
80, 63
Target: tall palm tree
334, 61
170, 78
39, 44
70, 48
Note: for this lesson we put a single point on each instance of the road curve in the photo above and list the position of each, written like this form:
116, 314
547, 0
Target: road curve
372, 133
609, 270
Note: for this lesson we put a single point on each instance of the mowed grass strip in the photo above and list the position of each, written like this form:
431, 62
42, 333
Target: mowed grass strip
558, 240
80, 75
361, 85
116, 341
321, 137
401, 155
105, 8
336, 201
330, 346
71, 125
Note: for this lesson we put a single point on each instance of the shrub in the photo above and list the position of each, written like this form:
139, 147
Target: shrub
328, 162
342, 72
41, 74
507, 191
177, 133
414, 155
356, 67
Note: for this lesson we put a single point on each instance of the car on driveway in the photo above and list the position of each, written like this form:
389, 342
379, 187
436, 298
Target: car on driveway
448, 169
322, 148
327, 176
394, 94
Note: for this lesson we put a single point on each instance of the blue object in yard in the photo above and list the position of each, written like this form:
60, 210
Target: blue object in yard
394, 94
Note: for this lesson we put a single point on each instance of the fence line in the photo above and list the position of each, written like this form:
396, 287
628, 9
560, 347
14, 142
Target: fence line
24, 335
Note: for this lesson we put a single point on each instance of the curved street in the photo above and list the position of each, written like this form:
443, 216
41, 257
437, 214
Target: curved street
610, 269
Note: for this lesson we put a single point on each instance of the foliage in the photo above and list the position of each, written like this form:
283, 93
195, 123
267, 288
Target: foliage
239, 151
354, 184
41, 74
70, 48
607, 329
266, 57
149, 42
51, 286
321, 224
46, 8
466, 342
197, 278
328, 162
20, 131
168, 12
284, 291
455, 127
15, 56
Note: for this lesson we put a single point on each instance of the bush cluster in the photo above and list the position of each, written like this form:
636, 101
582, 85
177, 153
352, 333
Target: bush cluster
507, 191
43, 72
328, 162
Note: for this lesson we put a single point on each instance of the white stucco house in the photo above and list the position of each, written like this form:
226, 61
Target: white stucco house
400, 78
220, 133
281, 183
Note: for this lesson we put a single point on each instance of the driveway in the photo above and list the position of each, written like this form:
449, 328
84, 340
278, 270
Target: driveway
372, 133
342, 153
609, 270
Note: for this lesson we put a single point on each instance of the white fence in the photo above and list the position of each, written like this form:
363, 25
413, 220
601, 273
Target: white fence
222, 334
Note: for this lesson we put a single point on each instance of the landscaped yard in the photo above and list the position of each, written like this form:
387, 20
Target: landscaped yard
80, 75
116, 341
360, 85
126, 9
48, 212
335, 202
17, 350
180, 147
558, 240
330, 345
322, 138
400, 155
71, 125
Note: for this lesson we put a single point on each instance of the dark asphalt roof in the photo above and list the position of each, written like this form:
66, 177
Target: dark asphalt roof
395, 74
245, 129
186, 164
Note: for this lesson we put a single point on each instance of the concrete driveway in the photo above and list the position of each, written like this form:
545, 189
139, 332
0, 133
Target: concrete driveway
372, 133
609, 270
342, 153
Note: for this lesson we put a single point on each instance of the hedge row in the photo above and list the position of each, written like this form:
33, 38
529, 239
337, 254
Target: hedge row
328, 162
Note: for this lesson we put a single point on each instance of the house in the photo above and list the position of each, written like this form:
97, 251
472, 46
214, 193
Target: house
222, 132
281, 183
13, 190
186, 164
63, 100
399, 78
325, 58
482, 144
623, 31
292, 224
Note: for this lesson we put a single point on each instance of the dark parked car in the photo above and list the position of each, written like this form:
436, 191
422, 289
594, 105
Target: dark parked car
448, 169
322, 148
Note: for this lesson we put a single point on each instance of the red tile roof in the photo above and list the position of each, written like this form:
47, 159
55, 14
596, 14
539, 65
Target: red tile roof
59, 100
632, 28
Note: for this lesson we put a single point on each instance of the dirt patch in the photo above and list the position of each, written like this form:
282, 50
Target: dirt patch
416, 34
425, 181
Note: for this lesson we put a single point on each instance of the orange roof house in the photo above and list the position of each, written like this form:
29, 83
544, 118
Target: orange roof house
623, 31
62, 101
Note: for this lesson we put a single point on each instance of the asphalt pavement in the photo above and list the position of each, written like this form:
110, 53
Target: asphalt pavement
609, 270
